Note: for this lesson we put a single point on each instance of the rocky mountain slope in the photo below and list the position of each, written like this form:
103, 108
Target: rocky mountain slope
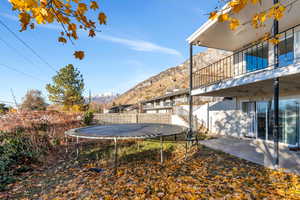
174, 77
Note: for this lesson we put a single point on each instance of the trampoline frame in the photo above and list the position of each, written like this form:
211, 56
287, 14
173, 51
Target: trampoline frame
116, 138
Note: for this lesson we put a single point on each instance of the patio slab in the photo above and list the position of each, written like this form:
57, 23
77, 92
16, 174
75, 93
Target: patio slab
256, 151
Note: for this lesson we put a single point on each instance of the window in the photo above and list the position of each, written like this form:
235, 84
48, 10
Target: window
286, 52
257, 57
248, 107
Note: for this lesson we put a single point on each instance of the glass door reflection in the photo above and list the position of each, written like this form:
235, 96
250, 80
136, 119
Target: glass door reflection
261, 110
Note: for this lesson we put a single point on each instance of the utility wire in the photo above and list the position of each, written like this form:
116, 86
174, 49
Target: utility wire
27, 45
21, 72
15, 50
10, 102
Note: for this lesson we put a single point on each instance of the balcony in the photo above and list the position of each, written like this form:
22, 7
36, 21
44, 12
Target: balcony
159, 106
252, 59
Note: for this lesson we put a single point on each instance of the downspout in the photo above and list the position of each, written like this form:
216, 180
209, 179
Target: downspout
190, 133
276, 92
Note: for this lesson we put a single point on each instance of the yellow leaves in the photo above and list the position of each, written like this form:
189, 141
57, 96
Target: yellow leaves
275, 40
213, 15
24, 18
62, 40
72, 27
223, 17
79, 55
263, 17
237, 5
94, 5
234, 23
82, 8
140, 190
69, 14
102, 18
256, 1
257, 20
277, 11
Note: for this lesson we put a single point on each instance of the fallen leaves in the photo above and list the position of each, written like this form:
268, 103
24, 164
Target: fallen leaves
206, 175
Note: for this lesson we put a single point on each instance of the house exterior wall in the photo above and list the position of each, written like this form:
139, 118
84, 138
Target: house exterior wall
227, 117
223, 117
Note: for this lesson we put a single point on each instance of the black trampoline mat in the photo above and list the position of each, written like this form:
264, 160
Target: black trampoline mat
126, 131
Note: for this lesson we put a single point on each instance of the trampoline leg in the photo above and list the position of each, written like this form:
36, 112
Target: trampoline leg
161, 151
67, 144
186, 149
138, 145
116, 157
77, 147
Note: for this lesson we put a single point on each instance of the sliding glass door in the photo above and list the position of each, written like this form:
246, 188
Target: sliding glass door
249, 109
289, 120
262, 122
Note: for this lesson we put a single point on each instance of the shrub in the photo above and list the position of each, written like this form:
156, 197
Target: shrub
17, 152
88, 118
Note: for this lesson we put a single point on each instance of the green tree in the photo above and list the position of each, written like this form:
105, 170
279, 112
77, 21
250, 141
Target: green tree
67, 87
33, 100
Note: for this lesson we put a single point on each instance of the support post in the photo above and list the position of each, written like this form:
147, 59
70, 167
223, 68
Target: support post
161, 150
186, 149
138, 145
77, 147
190, 93
276, 93
116, 156
67, 144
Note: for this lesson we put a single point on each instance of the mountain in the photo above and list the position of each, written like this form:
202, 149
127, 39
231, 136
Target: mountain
103, 98
172, 78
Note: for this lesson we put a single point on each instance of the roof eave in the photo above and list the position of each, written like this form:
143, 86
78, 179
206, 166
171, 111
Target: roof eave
191, 39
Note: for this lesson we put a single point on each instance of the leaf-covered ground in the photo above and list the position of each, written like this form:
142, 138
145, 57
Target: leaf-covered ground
206, 174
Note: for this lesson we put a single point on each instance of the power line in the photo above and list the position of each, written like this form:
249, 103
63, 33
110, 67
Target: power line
9, 102
16, 51
21, 72
26, 45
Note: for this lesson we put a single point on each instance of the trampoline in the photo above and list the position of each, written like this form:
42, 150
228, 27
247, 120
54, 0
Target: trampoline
127, 131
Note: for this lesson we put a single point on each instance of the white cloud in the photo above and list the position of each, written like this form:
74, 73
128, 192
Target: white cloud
137, 45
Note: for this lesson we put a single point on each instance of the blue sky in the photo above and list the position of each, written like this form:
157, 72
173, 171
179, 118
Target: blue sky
141, 39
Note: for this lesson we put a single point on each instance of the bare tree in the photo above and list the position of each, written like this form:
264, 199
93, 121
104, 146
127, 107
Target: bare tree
33, 100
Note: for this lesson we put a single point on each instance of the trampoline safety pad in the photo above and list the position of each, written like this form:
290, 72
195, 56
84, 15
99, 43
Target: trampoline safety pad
127, 131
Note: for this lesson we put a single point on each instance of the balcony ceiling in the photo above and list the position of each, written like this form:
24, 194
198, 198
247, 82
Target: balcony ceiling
217, 35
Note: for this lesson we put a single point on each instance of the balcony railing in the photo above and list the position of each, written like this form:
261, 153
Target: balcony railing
253, 58
160, 106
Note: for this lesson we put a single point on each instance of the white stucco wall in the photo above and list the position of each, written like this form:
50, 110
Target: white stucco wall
223, 117
176, 120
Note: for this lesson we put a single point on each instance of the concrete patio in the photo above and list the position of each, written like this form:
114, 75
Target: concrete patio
256, 151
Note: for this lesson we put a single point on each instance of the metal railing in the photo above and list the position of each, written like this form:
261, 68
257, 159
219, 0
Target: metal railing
163, 105
253, 58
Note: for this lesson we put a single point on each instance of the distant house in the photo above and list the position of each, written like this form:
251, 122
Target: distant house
119, 108
165, 103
